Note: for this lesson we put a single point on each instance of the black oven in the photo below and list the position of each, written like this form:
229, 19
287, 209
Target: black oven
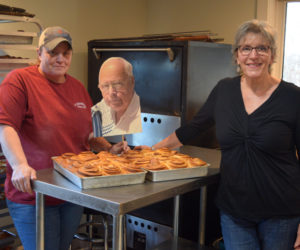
172, 78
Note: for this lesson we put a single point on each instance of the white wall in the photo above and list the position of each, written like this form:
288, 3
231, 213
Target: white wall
96, 19
87, 20
219, 16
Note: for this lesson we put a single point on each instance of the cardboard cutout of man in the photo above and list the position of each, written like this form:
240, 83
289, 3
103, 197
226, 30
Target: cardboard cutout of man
119, 111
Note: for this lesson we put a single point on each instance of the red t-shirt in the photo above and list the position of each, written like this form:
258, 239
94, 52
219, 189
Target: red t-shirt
49, 118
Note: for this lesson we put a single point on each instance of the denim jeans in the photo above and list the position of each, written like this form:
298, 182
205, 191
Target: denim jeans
61, 222
275, 234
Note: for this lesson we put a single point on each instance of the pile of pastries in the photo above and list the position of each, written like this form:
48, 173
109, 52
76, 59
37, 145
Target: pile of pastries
104, 163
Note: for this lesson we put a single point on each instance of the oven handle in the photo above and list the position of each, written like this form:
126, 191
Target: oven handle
169, 51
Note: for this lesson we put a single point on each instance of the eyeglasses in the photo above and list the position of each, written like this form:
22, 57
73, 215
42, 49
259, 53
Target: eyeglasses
117, 86
261, 50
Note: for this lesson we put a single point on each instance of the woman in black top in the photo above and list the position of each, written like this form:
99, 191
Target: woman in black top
257, 118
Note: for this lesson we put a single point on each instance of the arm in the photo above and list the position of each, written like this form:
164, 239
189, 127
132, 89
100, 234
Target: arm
170, 142
13, 151
297, 242
98, 144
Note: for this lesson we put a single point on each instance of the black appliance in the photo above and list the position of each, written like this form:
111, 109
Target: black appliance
173, 80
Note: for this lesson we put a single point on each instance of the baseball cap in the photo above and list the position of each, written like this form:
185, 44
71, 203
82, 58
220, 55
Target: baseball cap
52, 36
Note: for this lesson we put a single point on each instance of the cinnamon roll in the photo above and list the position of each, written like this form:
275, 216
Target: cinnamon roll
155, 165
89, 171
105, 155
164, 152
67, 155
175, 163
194, 162
132, 168
182, 156
87, 156
132, 155
141, 162
110, 168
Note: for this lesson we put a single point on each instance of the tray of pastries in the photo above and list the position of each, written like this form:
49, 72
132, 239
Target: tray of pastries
164, 164
90, 170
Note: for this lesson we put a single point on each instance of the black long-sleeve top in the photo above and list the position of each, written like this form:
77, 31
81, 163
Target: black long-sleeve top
260, 172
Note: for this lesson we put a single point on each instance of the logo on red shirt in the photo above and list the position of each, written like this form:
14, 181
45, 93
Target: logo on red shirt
80, 105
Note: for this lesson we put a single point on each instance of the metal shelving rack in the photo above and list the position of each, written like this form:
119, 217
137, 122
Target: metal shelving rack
18, 40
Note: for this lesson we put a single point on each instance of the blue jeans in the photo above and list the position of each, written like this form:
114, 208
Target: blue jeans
275, 234
61, 222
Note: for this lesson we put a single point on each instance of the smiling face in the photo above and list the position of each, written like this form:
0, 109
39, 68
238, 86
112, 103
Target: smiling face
54, 64
255, 64
116, 86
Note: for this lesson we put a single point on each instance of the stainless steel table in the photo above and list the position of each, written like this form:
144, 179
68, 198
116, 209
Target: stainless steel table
117, 201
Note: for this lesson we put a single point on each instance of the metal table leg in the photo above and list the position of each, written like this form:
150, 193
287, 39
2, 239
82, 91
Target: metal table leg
118, 234
176, 215
203, 198
40, 216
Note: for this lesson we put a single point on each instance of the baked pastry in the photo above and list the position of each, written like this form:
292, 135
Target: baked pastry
110, 169
175, 163
147, 152
165, 151
89, 170
133, 155
64, 159
67, 161
105, 155
162, 158
67, 155
73, 160
155, 165
87, 156
194, 162
119, 160
142, 162
60, 160
132, 152
76, 164
132, 168
182, 156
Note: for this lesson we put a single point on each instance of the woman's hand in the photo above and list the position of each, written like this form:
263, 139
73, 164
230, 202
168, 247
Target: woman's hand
297, 242
21, 177
119, 147
98, 144
12, 149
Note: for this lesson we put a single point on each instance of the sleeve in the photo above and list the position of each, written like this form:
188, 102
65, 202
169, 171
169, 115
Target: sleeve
298, 134
97, 123
12, 100
203, 120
